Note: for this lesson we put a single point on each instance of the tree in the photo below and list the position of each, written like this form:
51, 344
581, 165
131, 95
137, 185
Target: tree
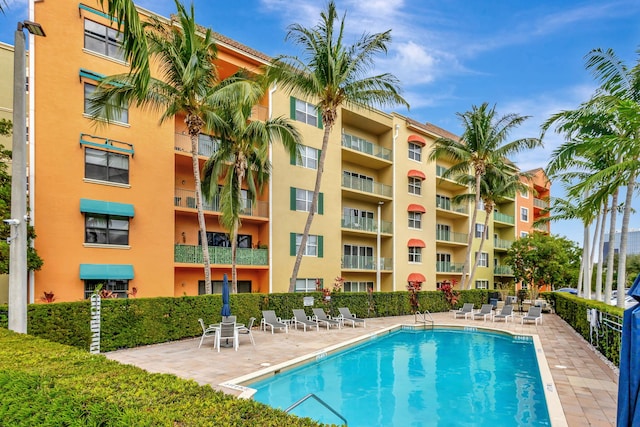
243, 157
189, 88
481, 146
540, 259
334, 74
5, 127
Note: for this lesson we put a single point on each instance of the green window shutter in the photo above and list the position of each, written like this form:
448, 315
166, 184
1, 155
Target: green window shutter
320, 248
292, 104
320, 119
321, 203
292, 202
292, 244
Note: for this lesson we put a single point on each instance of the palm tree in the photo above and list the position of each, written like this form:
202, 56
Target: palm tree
481, 146
189, 87
243, 157
334, 74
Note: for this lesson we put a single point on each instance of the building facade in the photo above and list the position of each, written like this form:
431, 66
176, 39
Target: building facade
114, 205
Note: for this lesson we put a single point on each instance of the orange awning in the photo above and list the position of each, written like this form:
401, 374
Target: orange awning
416, 243
417, 139
416, 277
416, 174
414, 207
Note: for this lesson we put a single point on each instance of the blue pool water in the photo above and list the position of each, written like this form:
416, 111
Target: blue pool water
439, 377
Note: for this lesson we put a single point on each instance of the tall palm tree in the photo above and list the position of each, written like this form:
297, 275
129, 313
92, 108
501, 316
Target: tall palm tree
334, 74
242, 157
188, 87
482, 145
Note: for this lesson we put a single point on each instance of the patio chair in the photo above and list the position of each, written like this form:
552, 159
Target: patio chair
505, 313
227, 331
229, 319
206, 332
346, 315
246, 330
269, 318
320, 316
485, 311
300, 317
534, 315
466, 310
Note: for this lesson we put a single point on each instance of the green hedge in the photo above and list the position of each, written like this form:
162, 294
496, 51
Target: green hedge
134, 322
46, 383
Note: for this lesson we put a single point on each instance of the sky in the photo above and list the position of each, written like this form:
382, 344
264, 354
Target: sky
524, 57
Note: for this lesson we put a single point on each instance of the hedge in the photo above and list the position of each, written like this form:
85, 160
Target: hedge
46, 383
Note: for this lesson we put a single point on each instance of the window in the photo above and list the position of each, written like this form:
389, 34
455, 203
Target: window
303, 200
306, 285
415, 254
524, 214
481, 205
357, 286
106, 166
119, 114
119, 288
304, 112
415, 220
223, 240
103, 40
308, 157
358, 257
443, 232
523, 234
358, 219
443, 202
311, 248
415, 152
482, 284
244, 287
357, 181
415, 186
484, 259
106, 229
480, 231
524, 194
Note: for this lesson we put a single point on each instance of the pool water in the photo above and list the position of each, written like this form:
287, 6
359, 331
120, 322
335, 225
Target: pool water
439, 377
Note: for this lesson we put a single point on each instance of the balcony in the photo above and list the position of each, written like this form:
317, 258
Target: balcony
206, 145
366, 224
452, 237
355, 262
187, 199
540, 204
367, 186
503, 218
366, 147
447, 209
542, 228
220, 256
502, 270
449, 267
502, 244
446, 183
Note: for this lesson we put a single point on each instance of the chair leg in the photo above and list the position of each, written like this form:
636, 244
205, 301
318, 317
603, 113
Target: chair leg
201, 339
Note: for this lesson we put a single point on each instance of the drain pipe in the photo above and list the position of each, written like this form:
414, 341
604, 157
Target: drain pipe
396, 131
270, 258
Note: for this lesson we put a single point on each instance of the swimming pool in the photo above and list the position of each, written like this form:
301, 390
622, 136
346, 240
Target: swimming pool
419, 377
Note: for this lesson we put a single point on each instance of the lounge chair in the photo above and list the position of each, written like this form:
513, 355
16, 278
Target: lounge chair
206, 332
227, 331
320, 316
466, 310
534, 315
269, 318
505, 313
300, 317
485, 311
347, 316
246, 330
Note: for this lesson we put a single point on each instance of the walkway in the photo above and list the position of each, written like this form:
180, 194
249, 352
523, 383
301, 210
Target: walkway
587, 386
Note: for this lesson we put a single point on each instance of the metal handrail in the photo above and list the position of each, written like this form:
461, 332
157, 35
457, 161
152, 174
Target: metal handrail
322, 402
424, 317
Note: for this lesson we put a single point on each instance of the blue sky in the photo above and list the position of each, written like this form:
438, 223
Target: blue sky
526, 57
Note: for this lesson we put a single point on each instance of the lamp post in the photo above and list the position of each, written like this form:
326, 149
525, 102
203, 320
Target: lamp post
18, 221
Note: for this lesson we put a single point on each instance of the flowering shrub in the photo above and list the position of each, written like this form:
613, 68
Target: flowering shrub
48, 297
337, 284
414, 288
449, 294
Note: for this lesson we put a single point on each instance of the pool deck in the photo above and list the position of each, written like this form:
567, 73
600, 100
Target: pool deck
587, 385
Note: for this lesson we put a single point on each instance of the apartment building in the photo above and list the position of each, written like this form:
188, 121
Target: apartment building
114, 205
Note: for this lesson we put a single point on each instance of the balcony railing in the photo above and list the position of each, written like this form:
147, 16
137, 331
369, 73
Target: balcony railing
220, 255
450, 236
366, 224
206, 145
499, 216
446, 205
365, 262
364, 146
539, 203
187, 199
541, 227
502, 244
449, 267
503, 270
366, 186
440, 170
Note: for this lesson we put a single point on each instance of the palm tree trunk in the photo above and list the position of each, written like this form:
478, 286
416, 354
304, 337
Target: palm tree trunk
596, 233
585, 292
622, 253
608, 284
201, 223
603, 223
483, 238
234, 250
467, 261
328, 122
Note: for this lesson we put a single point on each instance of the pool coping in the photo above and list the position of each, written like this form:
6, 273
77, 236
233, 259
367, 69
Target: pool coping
556, 413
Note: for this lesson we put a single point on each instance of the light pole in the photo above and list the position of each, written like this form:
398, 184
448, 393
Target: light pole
18, 221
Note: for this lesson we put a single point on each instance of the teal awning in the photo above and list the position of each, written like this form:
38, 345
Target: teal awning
107, 208
106, 271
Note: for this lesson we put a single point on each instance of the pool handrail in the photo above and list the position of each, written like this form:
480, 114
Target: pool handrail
423, 315
322, 402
